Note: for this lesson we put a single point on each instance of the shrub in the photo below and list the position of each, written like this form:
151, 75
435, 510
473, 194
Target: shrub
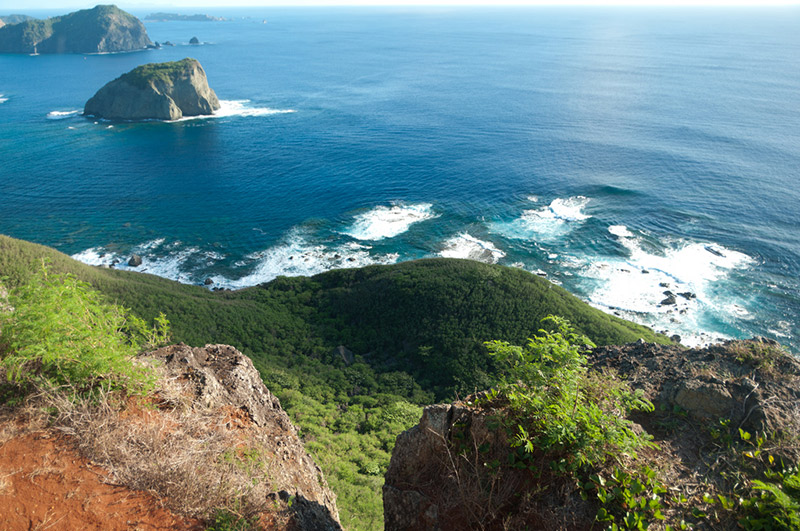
560, 409
63, 333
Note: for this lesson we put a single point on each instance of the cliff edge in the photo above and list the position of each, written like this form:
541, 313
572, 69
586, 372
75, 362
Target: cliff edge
102, 29
725, 423
156, 91
210, 444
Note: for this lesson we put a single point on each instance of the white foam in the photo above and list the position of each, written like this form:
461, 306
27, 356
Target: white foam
389, 221
548, 223
2, 99
62, 115
244, 108
157, 259
228, 108
297, 256
635, 286
466, 246
621, 231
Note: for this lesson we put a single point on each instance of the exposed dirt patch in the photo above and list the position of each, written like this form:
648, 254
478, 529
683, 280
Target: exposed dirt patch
46, 484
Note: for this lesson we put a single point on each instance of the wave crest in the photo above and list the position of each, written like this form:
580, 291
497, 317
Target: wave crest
389, 221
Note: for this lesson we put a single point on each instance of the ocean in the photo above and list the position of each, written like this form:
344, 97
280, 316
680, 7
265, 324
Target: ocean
625, 154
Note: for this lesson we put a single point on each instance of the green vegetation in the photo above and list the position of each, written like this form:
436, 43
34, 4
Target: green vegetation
157, 73
416, 331
61, 332
560, 408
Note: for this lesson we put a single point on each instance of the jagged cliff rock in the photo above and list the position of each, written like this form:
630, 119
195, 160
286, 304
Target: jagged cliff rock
156, 91
102, 29
222, 378
438, 477
751, 382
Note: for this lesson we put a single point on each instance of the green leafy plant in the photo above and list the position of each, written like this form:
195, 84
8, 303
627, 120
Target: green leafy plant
62, 332
628, 500
560, 407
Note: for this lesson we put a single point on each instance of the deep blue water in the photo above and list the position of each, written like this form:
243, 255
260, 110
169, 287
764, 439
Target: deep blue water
621, 153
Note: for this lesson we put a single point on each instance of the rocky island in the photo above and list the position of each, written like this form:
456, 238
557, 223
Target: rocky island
102, 29
156, 91
169, 17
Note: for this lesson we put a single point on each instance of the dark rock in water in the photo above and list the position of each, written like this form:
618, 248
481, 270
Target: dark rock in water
208, 282
645, 272
156, 91
714, 251
675, 338
663, 284
167, 43
135, 260
101, 29
669, 300
688, 295
194, 40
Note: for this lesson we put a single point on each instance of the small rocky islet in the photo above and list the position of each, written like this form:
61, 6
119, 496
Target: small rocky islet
156, 91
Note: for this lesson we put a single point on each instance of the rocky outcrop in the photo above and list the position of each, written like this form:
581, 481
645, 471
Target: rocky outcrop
439, 478
753, 383
450, 472
156, 91
102, 29
220, 377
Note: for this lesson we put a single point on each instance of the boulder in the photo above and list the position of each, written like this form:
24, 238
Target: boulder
156, 91
135, 260
194, 40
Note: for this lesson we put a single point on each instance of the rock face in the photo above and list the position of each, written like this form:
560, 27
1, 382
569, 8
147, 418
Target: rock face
102, 29
438, 477
221, 377
751, 382
156, 91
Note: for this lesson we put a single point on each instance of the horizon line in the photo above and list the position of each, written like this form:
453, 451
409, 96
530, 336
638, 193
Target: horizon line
425, 4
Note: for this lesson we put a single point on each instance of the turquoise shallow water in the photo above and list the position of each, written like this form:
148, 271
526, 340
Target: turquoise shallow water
621, 153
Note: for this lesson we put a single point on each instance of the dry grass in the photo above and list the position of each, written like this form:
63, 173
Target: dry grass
185, 454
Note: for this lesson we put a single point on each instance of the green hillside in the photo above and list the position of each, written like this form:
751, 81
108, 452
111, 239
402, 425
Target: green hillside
415, 329
428, 318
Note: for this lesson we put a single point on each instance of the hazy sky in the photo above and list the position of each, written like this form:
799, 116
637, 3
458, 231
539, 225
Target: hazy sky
20, 5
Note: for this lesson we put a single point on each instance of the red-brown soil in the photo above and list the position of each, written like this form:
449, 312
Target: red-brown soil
46, 485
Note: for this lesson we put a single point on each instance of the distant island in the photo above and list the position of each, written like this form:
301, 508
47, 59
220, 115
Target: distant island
13, 19
168, 17
156, 91
102, 29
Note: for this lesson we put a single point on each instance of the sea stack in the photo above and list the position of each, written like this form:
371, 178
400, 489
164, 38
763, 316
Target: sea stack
155, 91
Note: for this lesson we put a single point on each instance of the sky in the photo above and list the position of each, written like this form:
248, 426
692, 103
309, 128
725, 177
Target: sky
7, 6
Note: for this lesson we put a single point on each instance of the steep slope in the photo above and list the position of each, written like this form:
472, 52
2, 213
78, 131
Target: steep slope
102, 29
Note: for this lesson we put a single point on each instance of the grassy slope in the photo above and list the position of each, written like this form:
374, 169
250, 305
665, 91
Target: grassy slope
416, 329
